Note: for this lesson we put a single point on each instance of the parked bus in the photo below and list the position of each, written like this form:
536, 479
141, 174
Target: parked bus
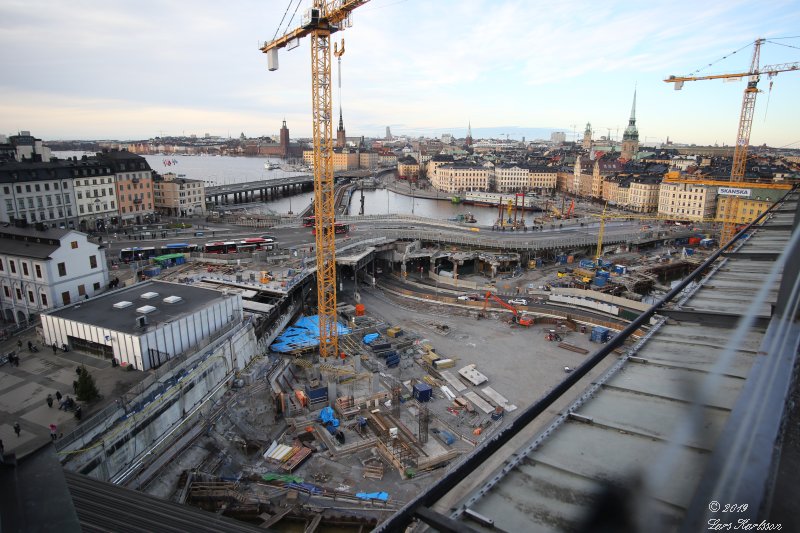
340, 228
137, 253
308, 221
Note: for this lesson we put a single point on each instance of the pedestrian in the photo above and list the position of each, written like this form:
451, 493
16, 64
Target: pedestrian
19, 345
17, 429
58, 395
49, 400
53, 432
30, 346
55, 348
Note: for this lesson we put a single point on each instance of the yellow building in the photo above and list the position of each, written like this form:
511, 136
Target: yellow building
738, 202
368, 160
342, 159
408, 167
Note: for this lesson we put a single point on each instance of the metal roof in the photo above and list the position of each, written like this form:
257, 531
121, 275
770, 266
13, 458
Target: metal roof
634, 413
691, 413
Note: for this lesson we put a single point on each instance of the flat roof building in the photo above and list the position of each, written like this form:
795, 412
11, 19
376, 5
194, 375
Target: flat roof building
146, 324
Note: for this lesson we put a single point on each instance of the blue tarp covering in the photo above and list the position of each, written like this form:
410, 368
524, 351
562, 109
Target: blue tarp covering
327, 416
383, 496
304, 334
369, 337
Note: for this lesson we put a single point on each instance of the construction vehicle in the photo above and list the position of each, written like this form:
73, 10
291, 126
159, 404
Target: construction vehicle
518, 318
319, 22
745, 123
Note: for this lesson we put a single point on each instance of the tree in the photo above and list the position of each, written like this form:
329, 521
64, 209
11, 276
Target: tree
86, 391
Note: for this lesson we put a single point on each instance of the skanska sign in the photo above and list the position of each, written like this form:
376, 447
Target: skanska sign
732, 191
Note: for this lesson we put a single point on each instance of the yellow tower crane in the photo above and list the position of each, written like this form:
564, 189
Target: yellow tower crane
319, 22
745, 122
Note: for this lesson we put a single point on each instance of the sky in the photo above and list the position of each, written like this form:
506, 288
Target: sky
128, 70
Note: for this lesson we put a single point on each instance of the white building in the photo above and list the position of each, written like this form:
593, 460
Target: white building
43, 270
146, 324
38, 192
96, 198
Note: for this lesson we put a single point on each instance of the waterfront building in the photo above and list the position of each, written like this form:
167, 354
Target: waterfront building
178, 196
134, 186
41, 270
35, 192
408, 167
459, 178
95, 196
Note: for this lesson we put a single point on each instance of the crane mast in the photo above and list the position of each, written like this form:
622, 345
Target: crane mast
320, 21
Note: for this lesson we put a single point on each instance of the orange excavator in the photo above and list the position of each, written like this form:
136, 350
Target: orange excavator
518, 319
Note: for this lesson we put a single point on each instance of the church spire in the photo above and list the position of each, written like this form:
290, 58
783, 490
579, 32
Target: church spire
632, 120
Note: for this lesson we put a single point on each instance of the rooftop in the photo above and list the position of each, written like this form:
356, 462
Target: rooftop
102, 311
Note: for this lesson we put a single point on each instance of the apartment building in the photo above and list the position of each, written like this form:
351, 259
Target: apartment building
459, 178
44, 269
35, 192
408, 167
643, 194
687, 200
178, 197
95, 196
134, 186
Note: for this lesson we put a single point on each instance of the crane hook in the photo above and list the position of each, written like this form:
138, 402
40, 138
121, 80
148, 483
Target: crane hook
336, 51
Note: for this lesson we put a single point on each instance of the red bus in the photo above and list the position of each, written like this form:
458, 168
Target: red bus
339, 228
228, 247
308, 221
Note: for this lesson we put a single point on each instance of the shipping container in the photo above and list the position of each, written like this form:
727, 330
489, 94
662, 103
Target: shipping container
423, 392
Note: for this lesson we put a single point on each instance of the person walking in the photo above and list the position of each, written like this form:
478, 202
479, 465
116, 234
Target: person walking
49, 400
17, 429
58, 396
19, 344
55, 348
53, 432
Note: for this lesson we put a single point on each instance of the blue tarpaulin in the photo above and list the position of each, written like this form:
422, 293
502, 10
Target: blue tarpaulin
383, 496
327, 416
369, 337
302, 335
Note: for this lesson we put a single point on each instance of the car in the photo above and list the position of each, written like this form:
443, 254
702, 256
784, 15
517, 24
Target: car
518, 301
463, 297
268, 237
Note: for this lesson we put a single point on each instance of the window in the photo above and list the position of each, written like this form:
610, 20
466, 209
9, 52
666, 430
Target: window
38, 269
96, 286
19, 294
25, 269
62, 269
44, 299
73, 244
7, 291
2, 268
65, 298
13, 266
27, 188
92, 261
37, 188
30, 296
81, 290
47, 186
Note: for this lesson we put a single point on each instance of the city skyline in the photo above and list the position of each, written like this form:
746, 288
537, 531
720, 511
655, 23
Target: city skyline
99, 71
